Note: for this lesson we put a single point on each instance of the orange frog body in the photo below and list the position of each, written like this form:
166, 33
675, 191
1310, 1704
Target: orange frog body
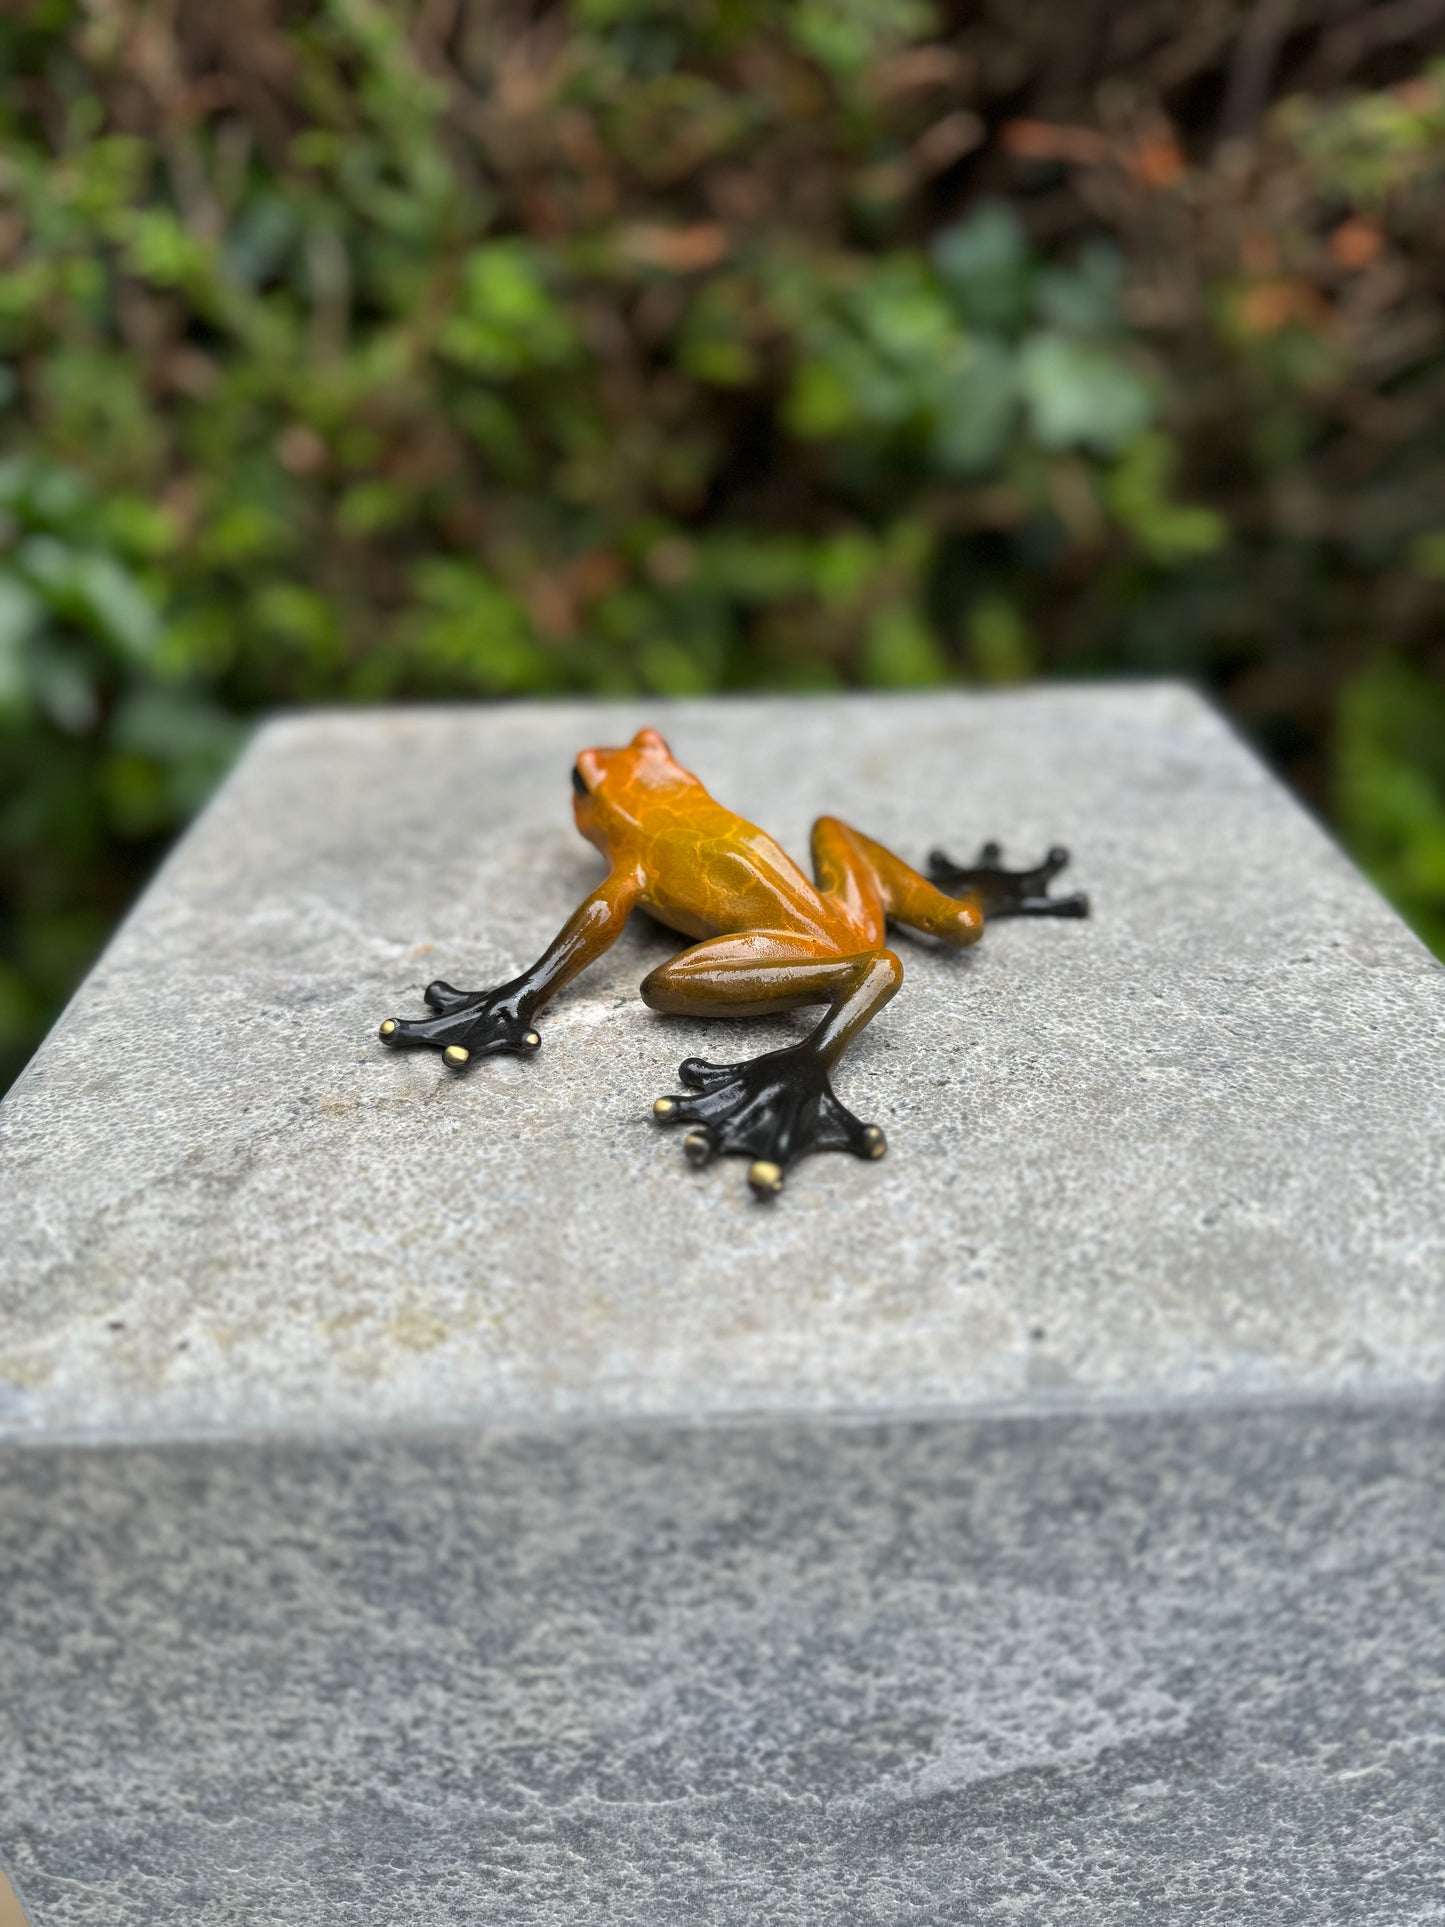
766, 940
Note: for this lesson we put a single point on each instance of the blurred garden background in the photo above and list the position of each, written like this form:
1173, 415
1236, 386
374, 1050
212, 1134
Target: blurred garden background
359, 352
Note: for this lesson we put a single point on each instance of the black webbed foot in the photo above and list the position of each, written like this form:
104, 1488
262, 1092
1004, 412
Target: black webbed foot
442, 997
773, 1109
468, 1023
1007, 893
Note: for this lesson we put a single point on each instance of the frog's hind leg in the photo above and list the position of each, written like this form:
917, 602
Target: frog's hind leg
779, 1107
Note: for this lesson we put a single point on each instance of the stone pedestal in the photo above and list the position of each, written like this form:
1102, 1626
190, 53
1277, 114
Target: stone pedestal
427, 1499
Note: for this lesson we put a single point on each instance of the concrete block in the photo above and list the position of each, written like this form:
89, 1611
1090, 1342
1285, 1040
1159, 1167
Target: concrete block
1192, 1148
1182, 1667
720, 1595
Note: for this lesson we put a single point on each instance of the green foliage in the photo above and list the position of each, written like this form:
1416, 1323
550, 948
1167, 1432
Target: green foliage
1375, 145
107, 737
1391, 782
642, 348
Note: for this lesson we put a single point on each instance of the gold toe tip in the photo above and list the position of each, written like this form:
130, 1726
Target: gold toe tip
765, 1177
455, 1056
874, 1142
697, 1146
388, 1029
531, 1040
664, 1107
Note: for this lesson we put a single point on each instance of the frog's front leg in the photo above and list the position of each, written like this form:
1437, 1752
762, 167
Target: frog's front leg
483, 1023
781, 1106
1007, 893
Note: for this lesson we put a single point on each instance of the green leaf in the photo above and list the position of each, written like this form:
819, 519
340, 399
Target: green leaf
20, 1008
41, 495
119, 608
978, 410
673, 669
1391, 788
714, 340
473, 632
999, 640
900, 651
300, 618
64, 689
21, 614
1084, 299
370, 507
984, 262
822, 402
161, 250
846, 36
189, 741
1138, 493
260, 238
1081, 395
94, 592
845, 565
905, 318
1427, 555
507, 319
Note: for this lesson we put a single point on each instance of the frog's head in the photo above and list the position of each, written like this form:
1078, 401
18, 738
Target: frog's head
611, 786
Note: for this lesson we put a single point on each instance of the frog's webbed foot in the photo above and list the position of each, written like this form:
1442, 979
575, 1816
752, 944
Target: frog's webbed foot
773, 1109
443, 998
467, 1024
1007, 893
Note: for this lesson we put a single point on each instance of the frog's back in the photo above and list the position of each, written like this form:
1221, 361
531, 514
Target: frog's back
704, 870
709, 872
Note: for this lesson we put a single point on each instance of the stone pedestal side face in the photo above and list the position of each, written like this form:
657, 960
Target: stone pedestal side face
1156, 1668
1190, 1147
548, 1667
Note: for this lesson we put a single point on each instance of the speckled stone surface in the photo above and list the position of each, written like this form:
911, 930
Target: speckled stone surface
1178, 1668
1192, 1147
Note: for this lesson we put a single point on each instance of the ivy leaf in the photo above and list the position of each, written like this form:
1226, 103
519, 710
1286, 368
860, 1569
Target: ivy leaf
984, 264
977, 411
1081, 395
1083, 299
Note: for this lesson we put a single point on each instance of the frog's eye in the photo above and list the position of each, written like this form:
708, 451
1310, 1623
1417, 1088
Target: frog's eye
577, 782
